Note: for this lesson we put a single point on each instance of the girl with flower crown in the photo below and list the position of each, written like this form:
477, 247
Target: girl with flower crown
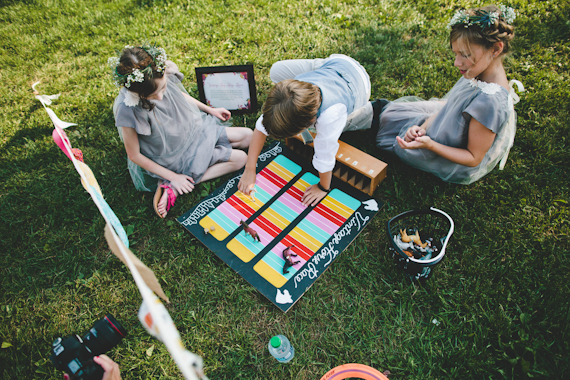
169, 135
463, 136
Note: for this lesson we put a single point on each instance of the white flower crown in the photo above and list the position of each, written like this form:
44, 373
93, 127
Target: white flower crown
482, 18
158, 55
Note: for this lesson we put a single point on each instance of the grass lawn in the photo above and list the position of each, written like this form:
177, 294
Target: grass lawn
501, 296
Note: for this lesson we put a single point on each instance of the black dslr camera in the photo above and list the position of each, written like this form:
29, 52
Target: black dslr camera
74, 355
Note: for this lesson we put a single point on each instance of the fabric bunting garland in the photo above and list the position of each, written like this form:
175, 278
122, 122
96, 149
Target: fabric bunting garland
152, 314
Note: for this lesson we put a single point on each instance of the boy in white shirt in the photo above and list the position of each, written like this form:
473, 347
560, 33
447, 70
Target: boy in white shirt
328, 96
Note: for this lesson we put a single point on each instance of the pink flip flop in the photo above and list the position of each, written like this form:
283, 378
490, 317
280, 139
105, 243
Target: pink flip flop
158, 194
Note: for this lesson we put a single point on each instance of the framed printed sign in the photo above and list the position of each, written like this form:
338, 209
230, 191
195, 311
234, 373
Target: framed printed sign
230, 87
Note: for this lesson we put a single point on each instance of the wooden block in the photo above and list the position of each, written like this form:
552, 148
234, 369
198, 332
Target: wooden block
350, 161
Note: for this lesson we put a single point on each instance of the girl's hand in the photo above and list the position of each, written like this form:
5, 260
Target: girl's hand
413, 132
421, 142
221, 113
182, 183
313, 195
247, 181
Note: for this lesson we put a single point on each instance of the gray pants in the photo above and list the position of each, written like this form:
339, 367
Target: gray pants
360, 118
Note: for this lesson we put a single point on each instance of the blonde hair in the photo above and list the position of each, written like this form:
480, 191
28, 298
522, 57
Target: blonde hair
290, 108
486, 37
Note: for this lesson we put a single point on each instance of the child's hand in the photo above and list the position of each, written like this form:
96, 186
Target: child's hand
313, 195
182, 184
247, 182
421, 142
221, 113
413, 132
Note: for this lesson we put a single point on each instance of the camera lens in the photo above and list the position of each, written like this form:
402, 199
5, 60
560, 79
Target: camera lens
105, 334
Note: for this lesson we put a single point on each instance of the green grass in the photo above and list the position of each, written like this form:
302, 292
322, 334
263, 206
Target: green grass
501, 295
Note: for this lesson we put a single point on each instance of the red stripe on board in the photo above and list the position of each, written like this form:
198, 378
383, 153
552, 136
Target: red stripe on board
241, 207
299, 248
267, 226
274, 178
295, 193
330, 214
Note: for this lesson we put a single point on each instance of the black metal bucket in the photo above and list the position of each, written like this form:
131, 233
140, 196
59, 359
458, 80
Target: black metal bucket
434, 226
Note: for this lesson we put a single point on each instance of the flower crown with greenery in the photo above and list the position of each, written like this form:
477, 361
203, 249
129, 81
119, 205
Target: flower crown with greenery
482, 17
158, 55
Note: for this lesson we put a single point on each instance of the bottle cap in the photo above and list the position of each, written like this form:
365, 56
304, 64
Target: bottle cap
275, 342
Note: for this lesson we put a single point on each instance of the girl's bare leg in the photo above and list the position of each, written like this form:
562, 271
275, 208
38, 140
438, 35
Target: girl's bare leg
239, 137
236, 162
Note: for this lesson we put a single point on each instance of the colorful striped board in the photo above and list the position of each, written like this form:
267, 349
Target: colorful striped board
226, 217
273, 220
308, 236
319, 234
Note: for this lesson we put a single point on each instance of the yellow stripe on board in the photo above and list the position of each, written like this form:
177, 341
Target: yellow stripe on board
248, 201
281, 171
337, 207
305, 239
302, 185
275, 218
271, 275
240, 250
219, 233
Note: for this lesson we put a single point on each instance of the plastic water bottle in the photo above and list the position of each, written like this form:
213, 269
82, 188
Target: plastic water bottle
281, 349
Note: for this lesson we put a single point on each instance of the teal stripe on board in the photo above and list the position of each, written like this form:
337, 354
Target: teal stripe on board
287, 164
277, 263
345, 199
313, 231
284, 211
253, 245
262, 195
310, 178
222, 220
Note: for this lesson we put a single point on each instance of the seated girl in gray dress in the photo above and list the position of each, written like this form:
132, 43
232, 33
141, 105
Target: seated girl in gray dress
463, 136
169, 135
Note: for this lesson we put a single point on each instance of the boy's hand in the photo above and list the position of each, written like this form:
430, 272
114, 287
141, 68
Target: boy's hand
313, 195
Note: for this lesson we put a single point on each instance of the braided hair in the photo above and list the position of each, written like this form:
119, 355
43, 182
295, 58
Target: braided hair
133, 58
486, 36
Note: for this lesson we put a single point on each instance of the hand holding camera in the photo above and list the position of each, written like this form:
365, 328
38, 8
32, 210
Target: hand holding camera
77, 356
112, 371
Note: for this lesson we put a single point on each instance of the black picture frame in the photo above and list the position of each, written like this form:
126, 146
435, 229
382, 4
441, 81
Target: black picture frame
228, 96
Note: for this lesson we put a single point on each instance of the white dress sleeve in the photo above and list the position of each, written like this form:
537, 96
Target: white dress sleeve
259, 126
329, 126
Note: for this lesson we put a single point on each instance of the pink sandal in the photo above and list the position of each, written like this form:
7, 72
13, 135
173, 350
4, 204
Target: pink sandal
158, 194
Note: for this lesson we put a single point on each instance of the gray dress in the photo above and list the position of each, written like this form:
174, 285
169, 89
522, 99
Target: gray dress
175, 135
489, 103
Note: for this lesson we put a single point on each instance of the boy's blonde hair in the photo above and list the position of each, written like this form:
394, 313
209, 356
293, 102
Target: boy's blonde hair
291, 107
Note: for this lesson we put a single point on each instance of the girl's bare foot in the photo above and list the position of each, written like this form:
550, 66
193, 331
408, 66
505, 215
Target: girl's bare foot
162, 203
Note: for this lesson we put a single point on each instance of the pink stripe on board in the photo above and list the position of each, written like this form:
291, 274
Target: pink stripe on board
267, 185
321, 222
292, 203
231, 213
263, 235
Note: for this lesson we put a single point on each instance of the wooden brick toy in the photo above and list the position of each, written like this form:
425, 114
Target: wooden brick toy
360, 170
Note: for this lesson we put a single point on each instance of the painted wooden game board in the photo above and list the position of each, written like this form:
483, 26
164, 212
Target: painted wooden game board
316, 235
